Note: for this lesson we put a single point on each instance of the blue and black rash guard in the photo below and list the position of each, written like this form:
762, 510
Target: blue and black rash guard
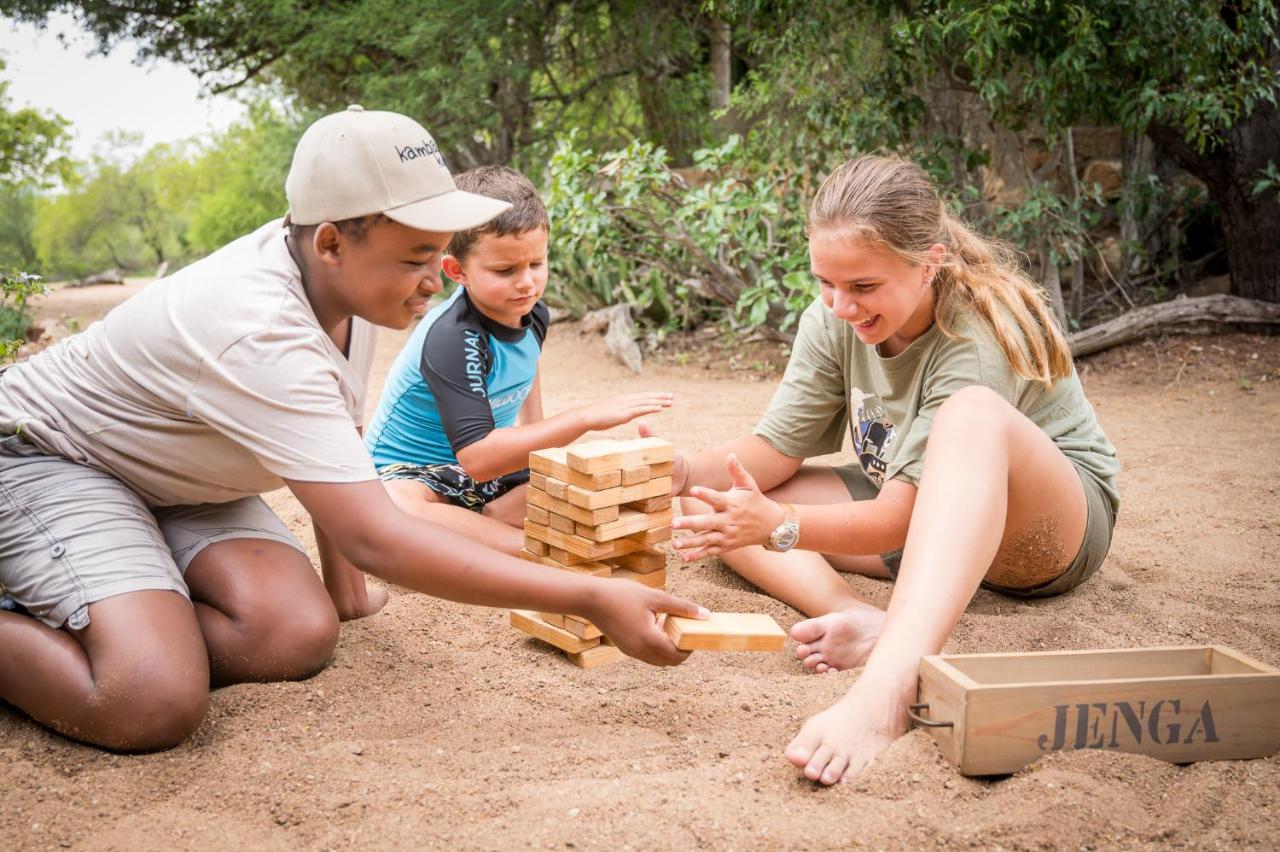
460, 376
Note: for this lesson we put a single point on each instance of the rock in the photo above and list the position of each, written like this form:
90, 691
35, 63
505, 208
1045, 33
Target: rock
107, 276
620, 336
1107, 174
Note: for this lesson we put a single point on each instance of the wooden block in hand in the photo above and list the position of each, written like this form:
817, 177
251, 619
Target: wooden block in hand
642, 561
528, 622
537, 514
598, 456
654, 579
726, 631
543, 500
537, 548
600, 655
551, 463
629, 523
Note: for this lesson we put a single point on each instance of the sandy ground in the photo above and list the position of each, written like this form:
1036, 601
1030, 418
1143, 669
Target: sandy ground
437, 725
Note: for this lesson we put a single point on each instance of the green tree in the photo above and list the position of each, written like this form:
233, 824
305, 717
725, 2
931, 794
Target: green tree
497, 77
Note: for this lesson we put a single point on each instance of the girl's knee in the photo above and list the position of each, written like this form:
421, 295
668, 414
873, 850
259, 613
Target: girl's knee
974, 406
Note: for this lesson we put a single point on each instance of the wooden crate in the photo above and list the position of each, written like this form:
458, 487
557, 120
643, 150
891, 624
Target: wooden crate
993, 714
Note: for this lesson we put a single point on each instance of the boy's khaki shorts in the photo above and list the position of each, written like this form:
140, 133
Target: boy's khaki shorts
1099, 523
71, 535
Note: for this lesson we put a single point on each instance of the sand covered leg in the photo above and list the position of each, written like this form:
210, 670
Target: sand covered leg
989, 475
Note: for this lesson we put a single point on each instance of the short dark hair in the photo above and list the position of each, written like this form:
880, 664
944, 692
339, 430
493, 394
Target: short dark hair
353, 229
506, 184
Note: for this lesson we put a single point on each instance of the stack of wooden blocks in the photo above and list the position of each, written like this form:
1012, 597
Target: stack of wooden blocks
599, 508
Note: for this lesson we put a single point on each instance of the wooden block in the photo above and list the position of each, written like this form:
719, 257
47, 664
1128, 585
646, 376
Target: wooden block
598, 656
557, 488
537, 548
614, 496
650, 537
632, 475
642, 561
528, 622
556, 619
726, 631
564, 557
581, 627
600, 456
662, 469
537, 480
629, 522
563, 507
565, 525
595, 569
654, 579
551, 463
580, 546
653, 504
537, 514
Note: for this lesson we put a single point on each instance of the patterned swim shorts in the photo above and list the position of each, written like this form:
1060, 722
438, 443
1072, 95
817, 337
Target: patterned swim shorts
454, 484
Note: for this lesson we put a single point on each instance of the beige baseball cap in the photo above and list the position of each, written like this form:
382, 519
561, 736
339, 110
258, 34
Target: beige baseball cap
358, 162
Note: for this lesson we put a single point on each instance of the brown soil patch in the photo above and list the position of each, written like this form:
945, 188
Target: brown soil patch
436, 725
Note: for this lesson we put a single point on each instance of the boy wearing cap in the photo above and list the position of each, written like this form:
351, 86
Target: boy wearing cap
133, 542
462, 406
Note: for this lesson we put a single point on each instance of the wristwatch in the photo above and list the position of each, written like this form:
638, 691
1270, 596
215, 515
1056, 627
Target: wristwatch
787, 534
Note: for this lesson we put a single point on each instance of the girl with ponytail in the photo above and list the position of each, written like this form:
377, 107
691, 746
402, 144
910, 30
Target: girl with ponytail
979, 460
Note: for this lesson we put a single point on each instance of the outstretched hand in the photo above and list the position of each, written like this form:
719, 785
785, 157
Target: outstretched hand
617, 410
739, 517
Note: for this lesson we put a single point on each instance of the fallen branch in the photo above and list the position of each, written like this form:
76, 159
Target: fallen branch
1178, 316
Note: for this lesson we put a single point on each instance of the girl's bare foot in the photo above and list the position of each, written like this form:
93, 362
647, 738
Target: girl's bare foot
838, 640
838, 743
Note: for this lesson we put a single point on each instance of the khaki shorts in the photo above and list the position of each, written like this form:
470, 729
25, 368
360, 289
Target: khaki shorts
1100, 522
71, 535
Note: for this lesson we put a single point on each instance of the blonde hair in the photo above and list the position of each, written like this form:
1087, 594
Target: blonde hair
892, 203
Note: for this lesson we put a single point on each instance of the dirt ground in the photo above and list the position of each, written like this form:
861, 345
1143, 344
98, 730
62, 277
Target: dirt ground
437, 725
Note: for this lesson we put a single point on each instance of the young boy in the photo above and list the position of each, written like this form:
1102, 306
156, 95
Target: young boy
462, 406
131, 531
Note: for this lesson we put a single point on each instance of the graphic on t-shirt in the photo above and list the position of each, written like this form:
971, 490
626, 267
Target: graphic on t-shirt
872, 433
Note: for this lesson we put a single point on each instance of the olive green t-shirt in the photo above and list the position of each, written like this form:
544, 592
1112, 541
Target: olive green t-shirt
833, 379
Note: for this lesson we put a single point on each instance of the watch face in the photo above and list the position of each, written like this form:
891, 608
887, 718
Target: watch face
786, 539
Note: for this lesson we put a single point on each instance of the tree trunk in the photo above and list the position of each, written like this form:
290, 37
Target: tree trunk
1251, 223
721, 57
1053, 284
1178, 316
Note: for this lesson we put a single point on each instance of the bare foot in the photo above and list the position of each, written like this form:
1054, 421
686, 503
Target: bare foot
838, 743
838, 640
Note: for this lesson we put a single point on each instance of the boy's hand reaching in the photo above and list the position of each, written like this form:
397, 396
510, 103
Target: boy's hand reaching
628, 613
617, 410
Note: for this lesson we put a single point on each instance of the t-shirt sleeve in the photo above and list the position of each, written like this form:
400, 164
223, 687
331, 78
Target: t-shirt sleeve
809, 413
540, 322
278, 394
455, 366
955, 365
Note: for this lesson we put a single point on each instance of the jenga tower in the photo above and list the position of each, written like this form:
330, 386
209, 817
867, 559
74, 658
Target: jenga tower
599, 508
